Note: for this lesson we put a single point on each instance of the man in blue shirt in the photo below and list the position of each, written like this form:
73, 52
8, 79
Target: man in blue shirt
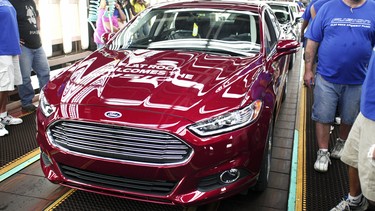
10, 74
359, 149
344, 31
316, 6
306, 16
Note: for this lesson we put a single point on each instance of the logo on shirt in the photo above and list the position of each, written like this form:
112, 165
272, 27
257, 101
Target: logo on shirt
351, 22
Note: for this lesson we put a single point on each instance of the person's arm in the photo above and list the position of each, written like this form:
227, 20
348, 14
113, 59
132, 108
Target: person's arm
371, 152
38, 22
107, 25
303, 28
121, 12
132, 10
310, 53
37, 15
312, 12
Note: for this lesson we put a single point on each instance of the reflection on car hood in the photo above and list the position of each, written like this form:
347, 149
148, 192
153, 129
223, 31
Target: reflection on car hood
158, 81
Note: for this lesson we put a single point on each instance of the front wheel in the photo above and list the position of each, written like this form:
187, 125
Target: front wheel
291, 62
285, 90
264, 173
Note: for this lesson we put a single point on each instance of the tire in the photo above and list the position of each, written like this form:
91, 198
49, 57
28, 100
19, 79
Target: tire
291, 63
285, 90
264, 173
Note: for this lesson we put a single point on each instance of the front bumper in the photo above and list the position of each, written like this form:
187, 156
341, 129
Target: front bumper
193, 182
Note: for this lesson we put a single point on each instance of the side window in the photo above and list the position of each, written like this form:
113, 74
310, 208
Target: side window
292, 15
271, 32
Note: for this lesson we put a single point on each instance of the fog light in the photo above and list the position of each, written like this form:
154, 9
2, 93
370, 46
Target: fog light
230, 176
46, 159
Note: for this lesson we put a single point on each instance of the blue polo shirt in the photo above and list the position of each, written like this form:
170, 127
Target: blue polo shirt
318, 4
346, 38
368, 91
307, 14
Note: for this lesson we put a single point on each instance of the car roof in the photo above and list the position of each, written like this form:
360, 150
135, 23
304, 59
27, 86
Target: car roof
238, 5
278, 2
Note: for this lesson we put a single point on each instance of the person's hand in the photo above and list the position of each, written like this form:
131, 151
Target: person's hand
309, 79
118, 7
22, 42
371, 152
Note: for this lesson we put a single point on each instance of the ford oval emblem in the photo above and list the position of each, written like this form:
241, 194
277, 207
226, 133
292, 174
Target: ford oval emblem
113, 114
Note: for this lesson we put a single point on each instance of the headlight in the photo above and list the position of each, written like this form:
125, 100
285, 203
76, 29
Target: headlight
45, 107
229, 121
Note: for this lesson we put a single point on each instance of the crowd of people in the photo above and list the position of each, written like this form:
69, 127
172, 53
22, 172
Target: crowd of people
112, 21
340, 70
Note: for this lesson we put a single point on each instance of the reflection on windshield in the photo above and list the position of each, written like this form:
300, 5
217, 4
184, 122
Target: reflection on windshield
282, 17
204, 30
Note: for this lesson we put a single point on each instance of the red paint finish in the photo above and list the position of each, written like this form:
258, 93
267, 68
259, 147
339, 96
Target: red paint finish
125, 120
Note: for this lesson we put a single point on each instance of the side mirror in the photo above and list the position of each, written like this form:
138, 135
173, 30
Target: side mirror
106, 37
287, 46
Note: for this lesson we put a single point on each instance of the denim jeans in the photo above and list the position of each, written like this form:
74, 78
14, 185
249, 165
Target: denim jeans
32, 60
329, 96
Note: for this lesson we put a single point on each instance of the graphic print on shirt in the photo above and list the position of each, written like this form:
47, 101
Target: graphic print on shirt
31, 17
351, 22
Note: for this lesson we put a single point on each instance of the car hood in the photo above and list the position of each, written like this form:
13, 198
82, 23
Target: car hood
178, 83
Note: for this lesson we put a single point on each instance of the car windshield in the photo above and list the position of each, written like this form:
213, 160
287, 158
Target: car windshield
282, 16
215, 31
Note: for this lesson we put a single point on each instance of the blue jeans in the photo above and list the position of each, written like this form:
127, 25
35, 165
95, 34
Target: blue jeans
32, 59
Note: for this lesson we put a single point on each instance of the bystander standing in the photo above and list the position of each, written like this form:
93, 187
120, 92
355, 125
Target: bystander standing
10, 74
33, 57
359, 150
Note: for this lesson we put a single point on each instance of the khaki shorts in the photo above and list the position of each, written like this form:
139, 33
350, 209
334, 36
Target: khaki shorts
356, 153
10, 74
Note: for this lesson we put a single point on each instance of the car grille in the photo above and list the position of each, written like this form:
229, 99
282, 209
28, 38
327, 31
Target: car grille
118, 142
159, 187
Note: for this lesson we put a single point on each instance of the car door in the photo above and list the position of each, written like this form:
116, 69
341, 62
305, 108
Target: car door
275, 64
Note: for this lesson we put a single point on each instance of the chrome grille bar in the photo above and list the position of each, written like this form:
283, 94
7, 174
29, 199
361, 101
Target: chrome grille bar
117, 142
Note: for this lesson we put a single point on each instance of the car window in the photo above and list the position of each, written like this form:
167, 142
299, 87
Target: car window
282, 16
213, 30
271, 32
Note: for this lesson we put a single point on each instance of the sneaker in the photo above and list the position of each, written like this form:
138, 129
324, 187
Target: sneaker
346, 204
337, 120
3, 131
331, 129
29, 108
337, 149
9, 120
322, 161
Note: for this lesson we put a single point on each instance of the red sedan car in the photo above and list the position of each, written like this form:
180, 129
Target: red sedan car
177, 108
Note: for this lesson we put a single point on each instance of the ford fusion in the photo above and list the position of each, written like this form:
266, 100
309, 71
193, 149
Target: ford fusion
177, 108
